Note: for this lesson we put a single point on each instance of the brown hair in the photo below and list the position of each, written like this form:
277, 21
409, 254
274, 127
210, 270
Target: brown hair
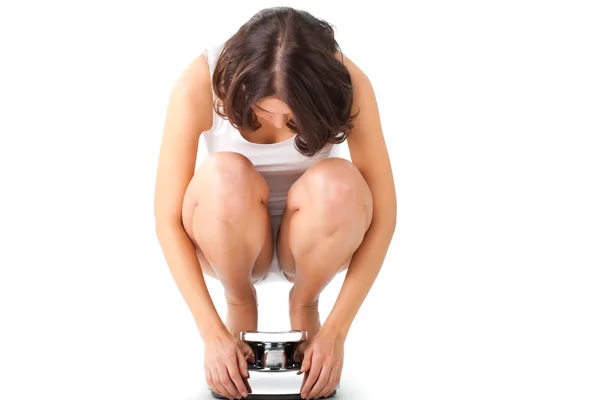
290, 54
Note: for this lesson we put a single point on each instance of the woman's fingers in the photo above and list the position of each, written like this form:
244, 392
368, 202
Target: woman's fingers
225, 381
334, 379
212, 377
248, 353
338, 379
242, 364
321, 383
306, 361
313, 376
248, 388
234, 374
299, 353
304, 380
246, 373
217, 386
209, 381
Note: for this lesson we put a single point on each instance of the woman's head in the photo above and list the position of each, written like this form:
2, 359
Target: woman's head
283, 65
274, 111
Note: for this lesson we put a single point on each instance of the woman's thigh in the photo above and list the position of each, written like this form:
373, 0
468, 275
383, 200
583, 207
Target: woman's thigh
200, 193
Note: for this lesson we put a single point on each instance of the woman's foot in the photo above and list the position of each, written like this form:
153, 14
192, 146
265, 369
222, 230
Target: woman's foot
304, 316
242, 315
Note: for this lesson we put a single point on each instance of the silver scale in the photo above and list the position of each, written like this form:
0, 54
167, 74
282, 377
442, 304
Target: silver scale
273, 375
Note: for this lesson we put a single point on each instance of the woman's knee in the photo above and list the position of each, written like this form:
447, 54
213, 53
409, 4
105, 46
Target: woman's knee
333, 188
229, 185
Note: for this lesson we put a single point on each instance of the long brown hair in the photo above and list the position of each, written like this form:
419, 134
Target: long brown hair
290, 54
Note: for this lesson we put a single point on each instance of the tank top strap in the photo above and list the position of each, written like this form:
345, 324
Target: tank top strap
212, 53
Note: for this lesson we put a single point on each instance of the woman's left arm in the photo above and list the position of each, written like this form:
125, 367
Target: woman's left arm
323, 355
369, 153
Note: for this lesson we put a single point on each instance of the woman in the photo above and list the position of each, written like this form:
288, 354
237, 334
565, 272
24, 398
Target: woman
272, 198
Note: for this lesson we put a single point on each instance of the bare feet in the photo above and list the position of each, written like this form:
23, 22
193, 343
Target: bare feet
242, 316
305, 317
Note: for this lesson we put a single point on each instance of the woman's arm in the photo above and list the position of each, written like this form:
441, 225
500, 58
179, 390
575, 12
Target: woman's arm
369, 153
189, 113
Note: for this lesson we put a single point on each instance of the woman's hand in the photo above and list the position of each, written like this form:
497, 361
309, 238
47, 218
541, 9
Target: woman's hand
322, 362
225, 366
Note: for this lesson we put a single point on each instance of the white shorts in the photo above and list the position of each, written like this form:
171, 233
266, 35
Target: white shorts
275, 274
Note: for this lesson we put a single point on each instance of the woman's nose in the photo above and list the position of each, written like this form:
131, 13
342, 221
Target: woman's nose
279, 121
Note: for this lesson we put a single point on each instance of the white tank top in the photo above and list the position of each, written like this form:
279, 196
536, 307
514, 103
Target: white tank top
279, 163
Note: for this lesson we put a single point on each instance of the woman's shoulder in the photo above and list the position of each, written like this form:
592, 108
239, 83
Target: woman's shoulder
198, 73
193, 89
353, 69
195, 77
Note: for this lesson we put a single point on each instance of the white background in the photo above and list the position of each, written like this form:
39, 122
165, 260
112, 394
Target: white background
491, 114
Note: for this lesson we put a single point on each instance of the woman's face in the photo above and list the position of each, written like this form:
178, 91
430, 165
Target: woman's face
273, 111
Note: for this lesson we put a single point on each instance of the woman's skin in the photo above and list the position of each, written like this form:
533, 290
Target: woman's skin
339, 215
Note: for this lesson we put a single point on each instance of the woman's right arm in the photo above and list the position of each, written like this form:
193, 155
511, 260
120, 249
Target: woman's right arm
189, 113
